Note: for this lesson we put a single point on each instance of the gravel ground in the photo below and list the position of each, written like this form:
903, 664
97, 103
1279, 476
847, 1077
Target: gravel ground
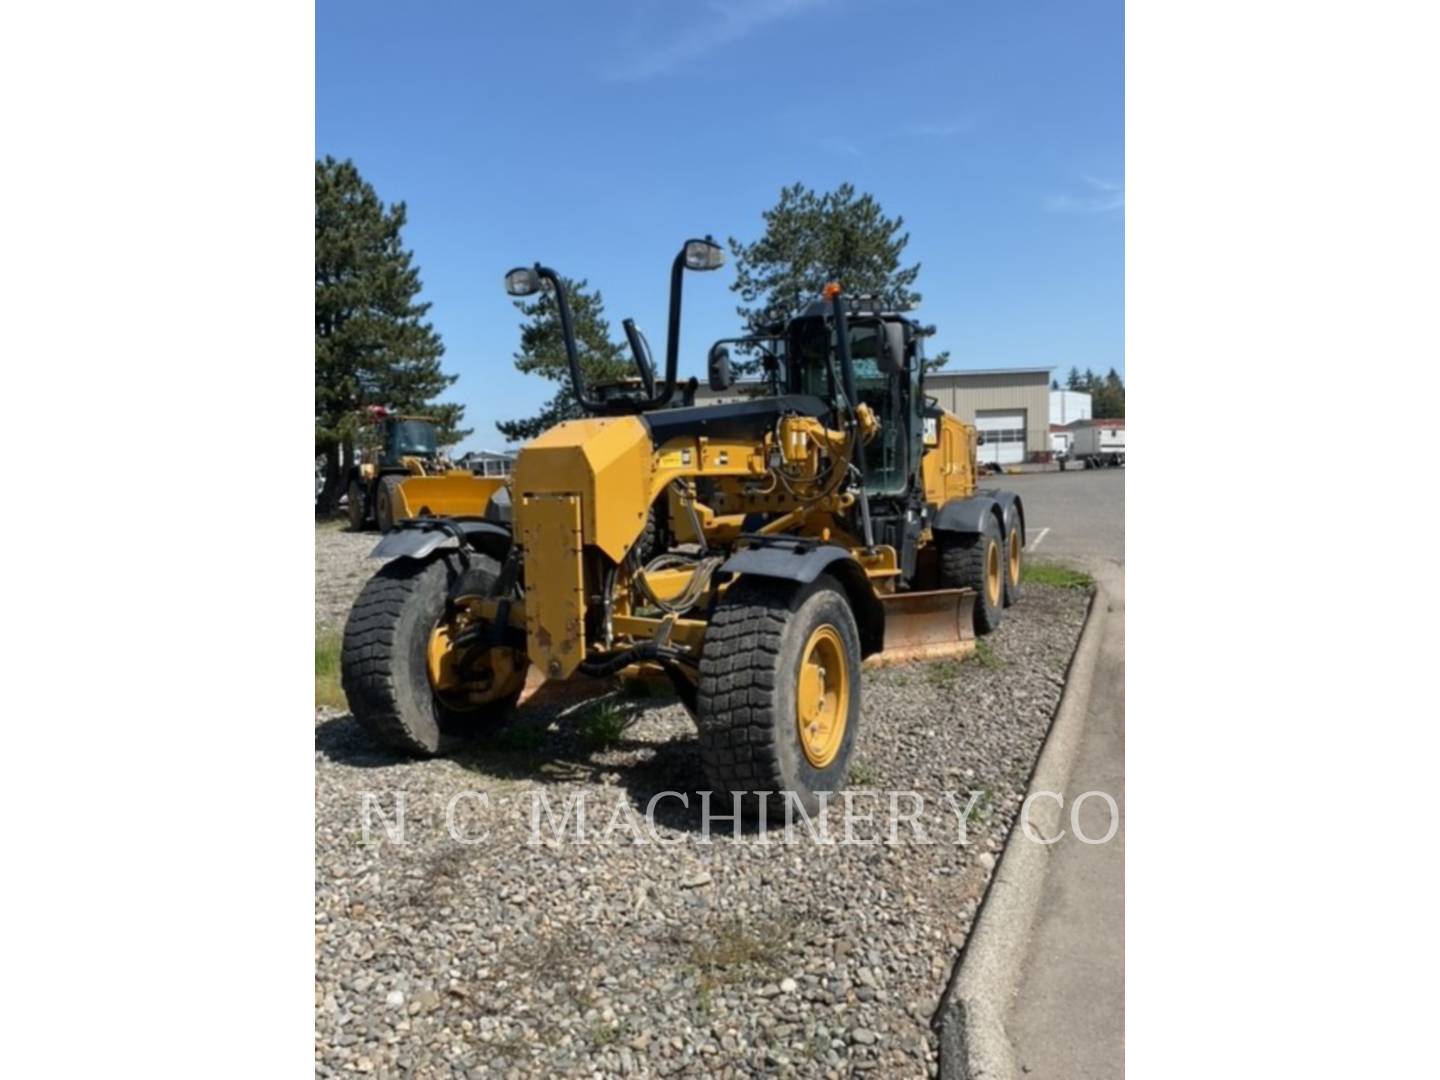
341, 570
516, 955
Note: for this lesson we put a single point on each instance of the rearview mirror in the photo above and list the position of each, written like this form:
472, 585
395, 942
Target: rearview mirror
720, 376
704, 254
522, 281
892, 347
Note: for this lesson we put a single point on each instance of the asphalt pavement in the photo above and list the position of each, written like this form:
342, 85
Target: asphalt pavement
1076, 515
1067, 1019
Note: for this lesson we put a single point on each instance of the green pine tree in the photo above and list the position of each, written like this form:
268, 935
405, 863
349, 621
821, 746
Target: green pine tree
1109, 397
542, 352
1072, 381
812, 238
372, 345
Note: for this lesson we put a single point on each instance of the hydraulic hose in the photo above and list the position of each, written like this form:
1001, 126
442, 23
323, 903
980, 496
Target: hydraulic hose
646, 650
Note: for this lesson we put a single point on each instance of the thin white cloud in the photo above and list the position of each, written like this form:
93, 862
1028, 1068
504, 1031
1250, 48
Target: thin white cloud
1104, 196
727, 22
940, 131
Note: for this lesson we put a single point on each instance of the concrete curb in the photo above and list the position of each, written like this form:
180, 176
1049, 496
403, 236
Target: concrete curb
970, 1021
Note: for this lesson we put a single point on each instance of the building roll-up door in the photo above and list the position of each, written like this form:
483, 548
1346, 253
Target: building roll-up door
1002, 436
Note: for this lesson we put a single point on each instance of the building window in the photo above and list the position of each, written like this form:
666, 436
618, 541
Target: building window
1002, 435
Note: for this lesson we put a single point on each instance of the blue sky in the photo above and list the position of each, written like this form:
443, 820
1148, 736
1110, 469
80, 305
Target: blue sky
597, 136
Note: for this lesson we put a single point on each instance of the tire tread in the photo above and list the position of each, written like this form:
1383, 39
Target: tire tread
368, 654
735, 699
962, 566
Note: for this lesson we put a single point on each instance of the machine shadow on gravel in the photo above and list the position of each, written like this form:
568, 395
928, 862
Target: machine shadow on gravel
341, 740
546, 746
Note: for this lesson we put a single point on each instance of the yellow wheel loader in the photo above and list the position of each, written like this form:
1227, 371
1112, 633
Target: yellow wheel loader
405, 447
756, 553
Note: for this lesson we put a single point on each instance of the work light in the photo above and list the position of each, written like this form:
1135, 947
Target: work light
704, 255
522, 281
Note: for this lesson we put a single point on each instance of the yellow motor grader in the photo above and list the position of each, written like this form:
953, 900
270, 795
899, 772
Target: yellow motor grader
405, 447
756, 553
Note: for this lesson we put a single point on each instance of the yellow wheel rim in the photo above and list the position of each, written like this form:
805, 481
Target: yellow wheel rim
493, 673
822, 696
1015, 556
992, 572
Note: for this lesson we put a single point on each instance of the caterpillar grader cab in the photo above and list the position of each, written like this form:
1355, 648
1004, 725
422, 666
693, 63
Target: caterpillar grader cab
405, 447
756, 553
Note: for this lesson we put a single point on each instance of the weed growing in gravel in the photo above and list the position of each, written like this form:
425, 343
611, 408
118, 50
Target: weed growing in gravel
861, 774
605, 723
510, 1047
737, 950
327, 669
1055, 575
605, 1034
561, 965
985, 655
942, 673
982, 808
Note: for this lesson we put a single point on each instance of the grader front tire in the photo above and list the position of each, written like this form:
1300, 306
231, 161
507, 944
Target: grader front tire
384, 662
778, 705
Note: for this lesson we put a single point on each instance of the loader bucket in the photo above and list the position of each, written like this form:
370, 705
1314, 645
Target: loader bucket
926, 626
457, 494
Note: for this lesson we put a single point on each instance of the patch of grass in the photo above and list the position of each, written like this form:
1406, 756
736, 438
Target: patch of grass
327, 669
736, 951
1055, 575
604, 724
985, 655
981, 810
942, 673
605, 1034
861, 774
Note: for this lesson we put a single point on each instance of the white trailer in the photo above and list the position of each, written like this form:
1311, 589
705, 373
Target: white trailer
1099, 445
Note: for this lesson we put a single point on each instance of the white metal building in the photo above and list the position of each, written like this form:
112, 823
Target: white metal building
1010, 408
1067, 406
